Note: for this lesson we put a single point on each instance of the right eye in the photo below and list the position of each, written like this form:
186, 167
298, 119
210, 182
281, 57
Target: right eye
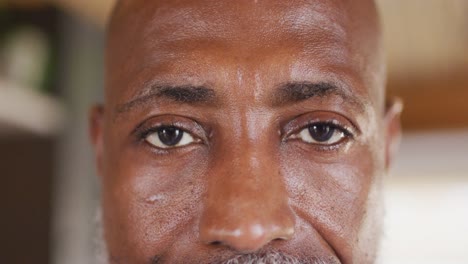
169, 137
322, 134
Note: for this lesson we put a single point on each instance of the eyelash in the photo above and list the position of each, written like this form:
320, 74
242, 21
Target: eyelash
333, 124
349, 134
142, 132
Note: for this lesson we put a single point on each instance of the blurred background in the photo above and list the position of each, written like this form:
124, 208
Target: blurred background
51, 72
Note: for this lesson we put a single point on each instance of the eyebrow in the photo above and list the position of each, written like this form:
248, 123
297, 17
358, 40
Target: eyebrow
187, 94
285, 94
294, 92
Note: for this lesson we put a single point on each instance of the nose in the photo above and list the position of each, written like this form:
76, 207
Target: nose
246, 206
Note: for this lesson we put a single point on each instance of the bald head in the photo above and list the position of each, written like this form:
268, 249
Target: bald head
344, 31
243, 130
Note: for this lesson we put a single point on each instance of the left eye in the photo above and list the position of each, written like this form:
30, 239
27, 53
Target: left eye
321, 134
169, 137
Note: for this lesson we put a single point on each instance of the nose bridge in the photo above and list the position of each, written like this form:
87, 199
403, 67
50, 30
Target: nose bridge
245, 172
246, 204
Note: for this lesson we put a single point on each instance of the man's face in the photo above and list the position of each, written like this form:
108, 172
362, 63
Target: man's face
234, 129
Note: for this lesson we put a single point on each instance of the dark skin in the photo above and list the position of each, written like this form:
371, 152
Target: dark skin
244, 127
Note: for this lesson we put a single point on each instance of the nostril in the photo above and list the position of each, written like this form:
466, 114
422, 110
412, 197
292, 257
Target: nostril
216, 243
279, 240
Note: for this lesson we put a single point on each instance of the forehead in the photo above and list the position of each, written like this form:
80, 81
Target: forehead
256, 36
220, 19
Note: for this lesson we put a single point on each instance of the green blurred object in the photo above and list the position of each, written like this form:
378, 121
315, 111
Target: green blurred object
25, 57
28, 48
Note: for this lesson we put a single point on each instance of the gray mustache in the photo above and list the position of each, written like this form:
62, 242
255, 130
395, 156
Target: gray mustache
272, 258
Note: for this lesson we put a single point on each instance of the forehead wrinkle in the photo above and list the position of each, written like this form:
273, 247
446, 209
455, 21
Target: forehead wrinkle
316, 17
176, 24
317, 27
186, 20
183, 23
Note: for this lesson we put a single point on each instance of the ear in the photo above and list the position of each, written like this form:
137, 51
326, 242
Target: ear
96, 119
393, 109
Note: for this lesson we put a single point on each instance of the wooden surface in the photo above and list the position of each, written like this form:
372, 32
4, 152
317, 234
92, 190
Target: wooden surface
433, 102
26, 165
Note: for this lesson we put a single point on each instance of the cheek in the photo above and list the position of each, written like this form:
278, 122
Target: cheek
332, 196
149, 200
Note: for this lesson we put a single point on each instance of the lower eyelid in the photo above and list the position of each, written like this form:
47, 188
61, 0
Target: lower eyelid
192, 138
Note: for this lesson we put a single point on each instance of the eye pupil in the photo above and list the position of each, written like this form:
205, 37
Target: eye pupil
321, 132
170, 136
